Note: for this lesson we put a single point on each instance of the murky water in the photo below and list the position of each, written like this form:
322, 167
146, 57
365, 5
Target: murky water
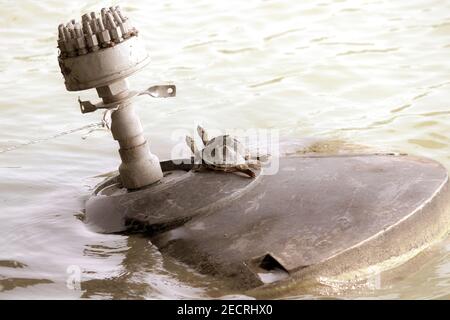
366, 72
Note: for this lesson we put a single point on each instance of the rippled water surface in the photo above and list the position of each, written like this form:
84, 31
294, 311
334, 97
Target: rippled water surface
367, 72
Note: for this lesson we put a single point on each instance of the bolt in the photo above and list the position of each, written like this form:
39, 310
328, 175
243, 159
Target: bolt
103, 35
87, 28
62, 40
110, 20
78, 31
101, 25
119, 12
61, 32
126, 28
69, 33
86, 17
80, 41
71, 27
66, 33
103, 14
94, 26
116, 17
116, 33
123, 25
91, 38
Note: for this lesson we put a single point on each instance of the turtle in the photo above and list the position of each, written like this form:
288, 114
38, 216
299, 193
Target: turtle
222, 153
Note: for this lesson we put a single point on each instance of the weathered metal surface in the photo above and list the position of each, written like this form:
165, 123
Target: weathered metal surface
318, 216
177, 198
103, 67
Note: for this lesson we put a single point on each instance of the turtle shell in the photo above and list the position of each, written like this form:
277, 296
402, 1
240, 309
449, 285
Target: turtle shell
224, 152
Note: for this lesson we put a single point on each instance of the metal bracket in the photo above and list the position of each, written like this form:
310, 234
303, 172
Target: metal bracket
87, 106
161, 91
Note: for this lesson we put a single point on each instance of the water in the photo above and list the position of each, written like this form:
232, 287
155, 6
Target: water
365, 72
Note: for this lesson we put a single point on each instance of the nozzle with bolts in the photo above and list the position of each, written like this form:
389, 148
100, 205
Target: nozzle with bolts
101, 53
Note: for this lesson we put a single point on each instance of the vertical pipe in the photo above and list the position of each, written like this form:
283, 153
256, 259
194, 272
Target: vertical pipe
139, 167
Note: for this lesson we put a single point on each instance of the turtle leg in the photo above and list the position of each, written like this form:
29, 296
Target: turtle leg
191, 144
254, 165
246, 170
258, 157
203, 135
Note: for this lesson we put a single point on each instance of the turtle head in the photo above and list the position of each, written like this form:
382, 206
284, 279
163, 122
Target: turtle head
192, 146
203, 135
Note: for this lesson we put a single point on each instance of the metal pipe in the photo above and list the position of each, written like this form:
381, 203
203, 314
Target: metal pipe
139, 166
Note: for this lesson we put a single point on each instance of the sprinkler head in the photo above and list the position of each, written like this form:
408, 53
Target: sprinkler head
101, 52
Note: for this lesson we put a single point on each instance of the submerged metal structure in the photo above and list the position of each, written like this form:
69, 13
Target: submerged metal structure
101, 52
320, 215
